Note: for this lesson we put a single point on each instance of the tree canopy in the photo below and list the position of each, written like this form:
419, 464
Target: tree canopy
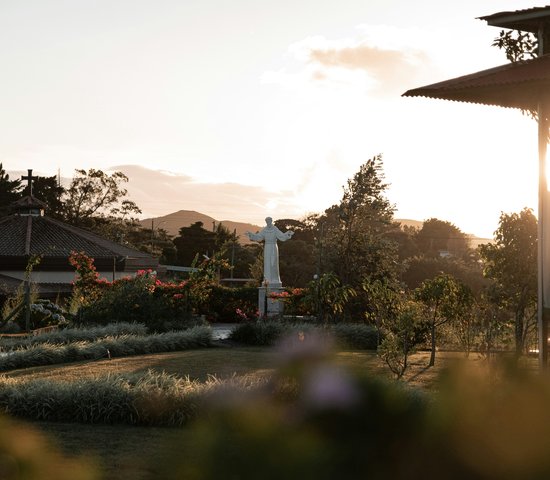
511, 262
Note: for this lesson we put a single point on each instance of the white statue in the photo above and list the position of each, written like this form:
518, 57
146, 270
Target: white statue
270, 234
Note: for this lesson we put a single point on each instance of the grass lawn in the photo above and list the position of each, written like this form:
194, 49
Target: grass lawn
126, 452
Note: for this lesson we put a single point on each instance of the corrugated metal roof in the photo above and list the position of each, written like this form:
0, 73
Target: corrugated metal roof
515, 85
527, 20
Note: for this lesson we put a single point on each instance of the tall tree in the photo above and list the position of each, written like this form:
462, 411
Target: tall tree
192, 241
511, 261
50, 191
94, 197
355, 236
9, 191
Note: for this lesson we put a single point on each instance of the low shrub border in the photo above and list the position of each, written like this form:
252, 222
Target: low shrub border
116, 346
152, 399
68, 335
348, 335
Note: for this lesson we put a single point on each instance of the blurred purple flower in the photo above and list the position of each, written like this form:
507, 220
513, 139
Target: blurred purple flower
330, 387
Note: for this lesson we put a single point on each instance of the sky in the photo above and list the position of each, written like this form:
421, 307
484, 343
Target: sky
246, 108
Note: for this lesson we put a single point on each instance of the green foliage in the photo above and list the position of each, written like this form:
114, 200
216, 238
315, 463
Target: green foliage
45, 313
355, 238
401, 335
258, 333
225, 302
107, 347
262, 333
9, 191
437, 235
356, 335
420, 268
445, 299
314, 421
517, 45
48, 190
26, 454
68, 335
192, 241
511, 262
94, 197
327, 297
141, 299
152, 398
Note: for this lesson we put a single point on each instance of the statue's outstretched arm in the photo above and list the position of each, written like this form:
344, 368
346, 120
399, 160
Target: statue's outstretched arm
257, 237
284, 236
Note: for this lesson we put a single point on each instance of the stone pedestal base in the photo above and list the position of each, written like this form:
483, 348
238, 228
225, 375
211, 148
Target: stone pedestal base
269, 307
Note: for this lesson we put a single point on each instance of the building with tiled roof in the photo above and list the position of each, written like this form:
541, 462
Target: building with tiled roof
28, 232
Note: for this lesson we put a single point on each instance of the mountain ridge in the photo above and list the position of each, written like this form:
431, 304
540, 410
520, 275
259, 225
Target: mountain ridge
172, 223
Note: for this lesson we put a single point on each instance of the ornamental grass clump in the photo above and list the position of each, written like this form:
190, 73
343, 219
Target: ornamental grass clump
146, 399
116, 346
87, 334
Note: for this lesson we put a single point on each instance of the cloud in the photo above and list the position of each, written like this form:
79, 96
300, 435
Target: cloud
160, 192
387, 67
377, 59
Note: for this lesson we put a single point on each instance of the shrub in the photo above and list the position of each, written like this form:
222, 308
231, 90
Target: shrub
124, 345
225, 301
269, 332
69, 335
145, 399
355, 335
258, 333
142, 299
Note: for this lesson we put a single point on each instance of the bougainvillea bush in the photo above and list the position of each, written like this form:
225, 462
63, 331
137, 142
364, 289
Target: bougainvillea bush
159, 305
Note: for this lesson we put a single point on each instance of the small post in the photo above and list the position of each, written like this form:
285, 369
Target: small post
27, 306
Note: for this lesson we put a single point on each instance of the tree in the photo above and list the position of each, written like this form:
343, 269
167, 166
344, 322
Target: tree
49, 191
95, 198
402, 334
517, 45
327, 297
192, 241
354, 237
9, 191
445, 299
511, 261
437, 236
297, 258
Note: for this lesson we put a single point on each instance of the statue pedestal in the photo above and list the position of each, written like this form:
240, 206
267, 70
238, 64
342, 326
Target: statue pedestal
269, 307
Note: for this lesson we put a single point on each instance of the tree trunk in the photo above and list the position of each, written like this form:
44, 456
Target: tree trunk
519, 334
432, 356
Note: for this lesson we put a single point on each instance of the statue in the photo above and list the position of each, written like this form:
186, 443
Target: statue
270, 234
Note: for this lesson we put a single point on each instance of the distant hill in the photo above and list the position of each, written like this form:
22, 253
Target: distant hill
405, 222
183, 218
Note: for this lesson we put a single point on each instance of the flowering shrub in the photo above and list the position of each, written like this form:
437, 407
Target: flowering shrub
45, 313
143, 299
293, 299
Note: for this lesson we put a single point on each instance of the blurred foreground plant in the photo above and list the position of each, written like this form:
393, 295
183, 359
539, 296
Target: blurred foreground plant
317, 421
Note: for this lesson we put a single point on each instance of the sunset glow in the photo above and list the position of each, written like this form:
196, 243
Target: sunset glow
264, 108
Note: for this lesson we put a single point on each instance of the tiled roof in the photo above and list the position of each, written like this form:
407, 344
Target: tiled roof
36, 235
515, 85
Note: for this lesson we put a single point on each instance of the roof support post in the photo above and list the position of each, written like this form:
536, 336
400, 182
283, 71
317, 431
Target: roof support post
543, 310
